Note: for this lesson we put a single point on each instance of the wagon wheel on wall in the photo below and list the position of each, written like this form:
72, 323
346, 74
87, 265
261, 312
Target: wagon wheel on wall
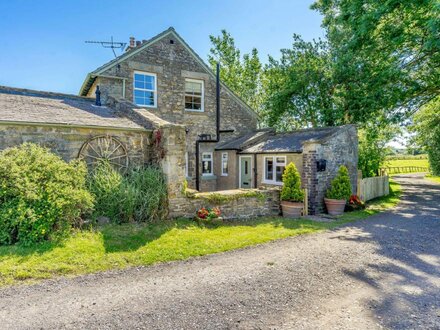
105, 148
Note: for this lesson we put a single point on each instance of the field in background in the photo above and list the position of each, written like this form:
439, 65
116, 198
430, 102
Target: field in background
406, 164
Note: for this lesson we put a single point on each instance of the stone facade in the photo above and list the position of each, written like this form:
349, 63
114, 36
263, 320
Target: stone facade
339, 149
264, 203
171, 60
67, 141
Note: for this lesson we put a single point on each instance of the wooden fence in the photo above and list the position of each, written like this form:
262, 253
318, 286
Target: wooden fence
370, 188
403, 169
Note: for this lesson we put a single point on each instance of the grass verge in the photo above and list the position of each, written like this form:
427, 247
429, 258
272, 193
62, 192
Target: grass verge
120, 246
433, 178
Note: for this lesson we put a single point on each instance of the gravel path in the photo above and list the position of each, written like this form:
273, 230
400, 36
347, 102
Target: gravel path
383, 272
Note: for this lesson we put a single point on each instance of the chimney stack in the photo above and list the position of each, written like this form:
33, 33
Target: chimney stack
138, 43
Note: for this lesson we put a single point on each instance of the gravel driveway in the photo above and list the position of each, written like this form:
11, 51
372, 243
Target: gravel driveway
383, 272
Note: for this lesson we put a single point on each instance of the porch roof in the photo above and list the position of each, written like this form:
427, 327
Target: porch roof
290, 142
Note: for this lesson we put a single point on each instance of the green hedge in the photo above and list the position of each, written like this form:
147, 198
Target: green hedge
41, 195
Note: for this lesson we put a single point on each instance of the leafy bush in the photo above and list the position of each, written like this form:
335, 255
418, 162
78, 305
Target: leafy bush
291, 190
41, 195
340, 187
138, 195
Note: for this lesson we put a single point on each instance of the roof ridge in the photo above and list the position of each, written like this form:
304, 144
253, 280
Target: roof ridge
39, 93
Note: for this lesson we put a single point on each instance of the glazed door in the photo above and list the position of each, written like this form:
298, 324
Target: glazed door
245, 172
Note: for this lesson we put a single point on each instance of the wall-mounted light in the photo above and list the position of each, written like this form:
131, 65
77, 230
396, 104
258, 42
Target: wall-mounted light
321, 165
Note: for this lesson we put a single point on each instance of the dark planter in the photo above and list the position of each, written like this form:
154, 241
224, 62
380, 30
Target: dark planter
292, 209
335, 206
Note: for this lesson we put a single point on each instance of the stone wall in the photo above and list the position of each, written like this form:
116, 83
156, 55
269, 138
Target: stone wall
67, 141
338, 149
172, 63
236, 204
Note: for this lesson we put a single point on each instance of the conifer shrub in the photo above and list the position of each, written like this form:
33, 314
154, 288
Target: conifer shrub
291, 190
41, 196
340, 187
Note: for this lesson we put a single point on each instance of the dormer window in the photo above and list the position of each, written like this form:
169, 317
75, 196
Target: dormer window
194, 94
145, 89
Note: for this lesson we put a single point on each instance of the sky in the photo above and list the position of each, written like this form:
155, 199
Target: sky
43, 42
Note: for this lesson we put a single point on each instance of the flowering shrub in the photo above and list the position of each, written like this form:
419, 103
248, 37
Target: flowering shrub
207, 215
355, 203
41, 196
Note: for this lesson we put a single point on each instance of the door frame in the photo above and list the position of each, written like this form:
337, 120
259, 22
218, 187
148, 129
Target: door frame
239, 171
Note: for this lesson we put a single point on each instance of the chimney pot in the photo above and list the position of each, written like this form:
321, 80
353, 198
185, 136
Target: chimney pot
132, 42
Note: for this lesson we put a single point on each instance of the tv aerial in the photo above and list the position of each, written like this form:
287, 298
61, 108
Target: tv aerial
110, 44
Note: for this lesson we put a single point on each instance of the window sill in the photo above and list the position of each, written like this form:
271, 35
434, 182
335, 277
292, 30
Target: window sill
147, 106
274, 183
208, 177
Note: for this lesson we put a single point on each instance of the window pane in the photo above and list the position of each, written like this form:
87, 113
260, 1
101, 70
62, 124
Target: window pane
139, 84
246, 169
279, 173
269, 169
139, 100
281, 160
206, 167
139, 77
225, 167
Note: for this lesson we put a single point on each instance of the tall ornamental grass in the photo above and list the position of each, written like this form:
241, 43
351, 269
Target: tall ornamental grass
139, 195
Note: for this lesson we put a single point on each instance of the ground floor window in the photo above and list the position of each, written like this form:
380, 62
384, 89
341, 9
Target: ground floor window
207, 163
225, 169
273, 169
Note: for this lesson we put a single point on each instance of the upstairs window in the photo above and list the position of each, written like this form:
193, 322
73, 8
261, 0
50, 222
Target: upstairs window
225, 169
194, 94
145, 89
273, 169
207, 164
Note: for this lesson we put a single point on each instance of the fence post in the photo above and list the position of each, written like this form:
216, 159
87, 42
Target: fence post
306, 202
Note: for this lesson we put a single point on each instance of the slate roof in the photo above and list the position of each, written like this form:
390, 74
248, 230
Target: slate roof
290, 142
28, 106
243, 141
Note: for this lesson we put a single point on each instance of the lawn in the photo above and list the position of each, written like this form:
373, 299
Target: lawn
433, 178
407, 162
120, 246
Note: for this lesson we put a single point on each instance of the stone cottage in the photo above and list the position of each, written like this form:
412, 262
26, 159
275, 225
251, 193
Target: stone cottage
160, 102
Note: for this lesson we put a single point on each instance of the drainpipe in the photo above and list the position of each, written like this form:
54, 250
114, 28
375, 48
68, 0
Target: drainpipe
217, 130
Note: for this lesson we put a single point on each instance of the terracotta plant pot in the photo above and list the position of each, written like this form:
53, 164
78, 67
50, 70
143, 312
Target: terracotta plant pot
335, 206
292, 209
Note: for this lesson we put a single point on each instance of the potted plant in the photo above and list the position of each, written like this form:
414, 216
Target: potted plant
292, 196
339, 192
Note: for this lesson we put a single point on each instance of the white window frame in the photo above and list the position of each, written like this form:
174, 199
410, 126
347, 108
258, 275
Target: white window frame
275, 164
203, 95
146, 90
212, 163
227, 163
